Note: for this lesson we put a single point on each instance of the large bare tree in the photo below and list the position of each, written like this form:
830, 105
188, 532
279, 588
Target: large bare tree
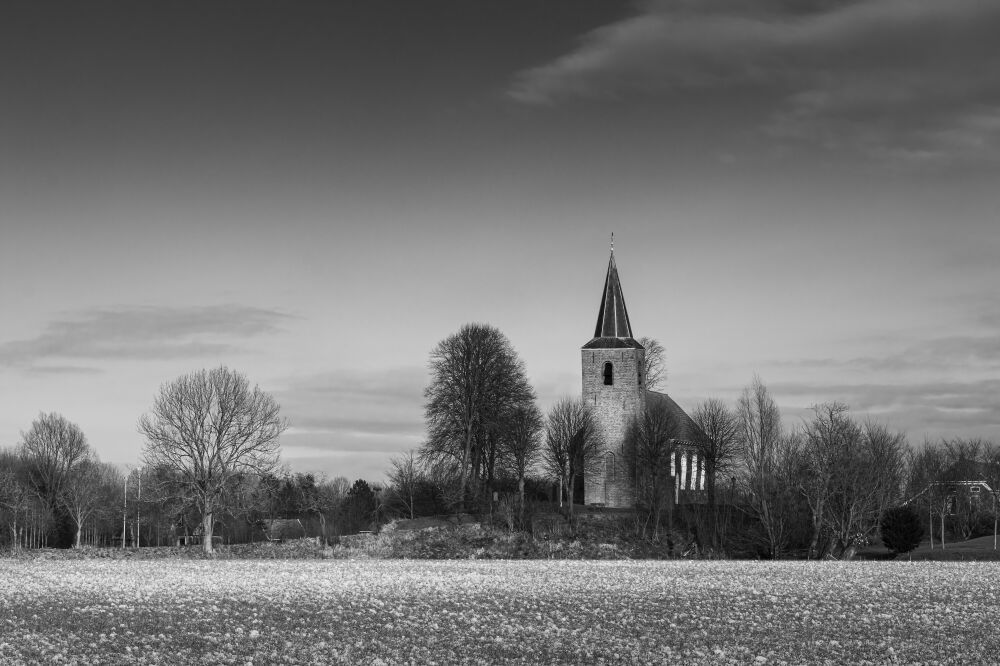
405, 476
51, 450
572, 444
720, 448
885, 452
927, 467
827, 439
209, 427
849, 475
89, 492
763, 448
521, 442
476, 378
654, 366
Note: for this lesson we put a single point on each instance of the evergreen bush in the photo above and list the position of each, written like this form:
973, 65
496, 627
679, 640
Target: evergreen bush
902, 529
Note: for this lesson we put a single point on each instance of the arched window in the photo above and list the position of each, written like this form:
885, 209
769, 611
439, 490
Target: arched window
609, 466
609, 377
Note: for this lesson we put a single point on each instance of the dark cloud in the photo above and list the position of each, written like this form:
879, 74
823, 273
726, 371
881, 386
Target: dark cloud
138, 333
911, 80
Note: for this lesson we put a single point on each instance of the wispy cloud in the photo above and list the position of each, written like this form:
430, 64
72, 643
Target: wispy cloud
70, 343
355, 411
906, 80
972, 352
943, 409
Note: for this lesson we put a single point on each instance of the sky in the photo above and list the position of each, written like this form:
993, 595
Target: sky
315, 194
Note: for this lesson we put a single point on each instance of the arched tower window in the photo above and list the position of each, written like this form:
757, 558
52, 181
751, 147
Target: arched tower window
609, 466
609, 377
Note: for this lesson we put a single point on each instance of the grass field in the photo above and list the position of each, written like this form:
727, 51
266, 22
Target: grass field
973, 549
396, 612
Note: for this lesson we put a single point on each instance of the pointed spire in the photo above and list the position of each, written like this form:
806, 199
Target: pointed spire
613, 326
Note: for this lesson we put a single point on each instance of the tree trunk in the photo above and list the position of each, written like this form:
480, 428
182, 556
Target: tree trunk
480, 461
713, 509
656, 522
491, 463
570, 492
817, 525
930, 520
79, 532
520, 491
465, 464
207, 525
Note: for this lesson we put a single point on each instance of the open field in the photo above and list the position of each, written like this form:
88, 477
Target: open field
394, 612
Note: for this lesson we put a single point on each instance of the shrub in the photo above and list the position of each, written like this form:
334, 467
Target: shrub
902, 529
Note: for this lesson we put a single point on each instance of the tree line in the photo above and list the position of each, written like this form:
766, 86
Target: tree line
211, 470
210, 462
816, 488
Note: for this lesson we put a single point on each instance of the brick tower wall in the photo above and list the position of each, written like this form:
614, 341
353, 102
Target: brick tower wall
615, 406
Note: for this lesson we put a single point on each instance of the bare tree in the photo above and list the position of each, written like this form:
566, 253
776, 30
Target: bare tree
571, 443
650, 444
89, 491
991, 473
555, 456
208, 427
476, 377
524, 425
404, 478
927, 468
761, 439
51, 449
824, 445
849, 506
16, 498
654, 367
885, 452
721, 449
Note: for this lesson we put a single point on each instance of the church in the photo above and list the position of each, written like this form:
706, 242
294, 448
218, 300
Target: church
614, 386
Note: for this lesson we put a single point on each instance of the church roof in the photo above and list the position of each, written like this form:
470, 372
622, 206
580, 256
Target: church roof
613, 328
688, 430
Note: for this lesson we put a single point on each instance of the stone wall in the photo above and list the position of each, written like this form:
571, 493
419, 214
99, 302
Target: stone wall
615, 406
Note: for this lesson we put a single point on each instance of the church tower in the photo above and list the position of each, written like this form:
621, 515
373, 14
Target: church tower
614, 387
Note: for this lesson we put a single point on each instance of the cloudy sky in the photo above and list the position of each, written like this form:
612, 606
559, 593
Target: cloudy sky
315, 194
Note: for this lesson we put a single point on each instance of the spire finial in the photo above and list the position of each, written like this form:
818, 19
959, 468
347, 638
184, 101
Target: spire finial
612, 242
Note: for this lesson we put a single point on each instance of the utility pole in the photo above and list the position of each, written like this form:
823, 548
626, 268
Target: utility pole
124, 511
138, 504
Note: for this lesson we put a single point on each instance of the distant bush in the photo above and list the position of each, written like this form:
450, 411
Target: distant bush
902, 529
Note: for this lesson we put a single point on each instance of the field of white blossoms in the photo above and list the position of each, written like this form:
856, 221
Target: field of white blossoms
531, 612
